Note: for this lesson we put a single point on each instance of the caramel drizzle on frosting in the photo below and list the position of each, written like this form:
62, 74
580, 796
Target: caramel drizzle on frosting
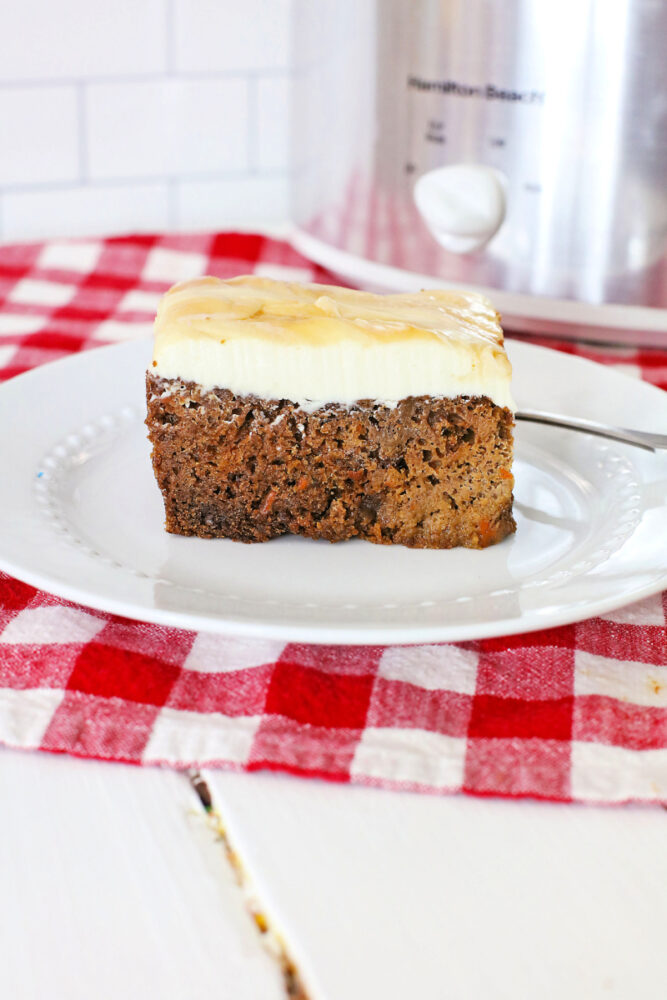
254, 305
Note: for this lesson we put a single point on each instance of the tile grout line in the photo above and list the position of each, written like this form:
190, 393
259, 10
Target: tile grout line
105, 182
252, 126
82, 132
173, 214
170, 37
153, 77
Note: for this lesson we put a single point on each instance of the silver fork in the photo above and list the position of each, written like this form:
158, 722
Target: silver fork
641, 439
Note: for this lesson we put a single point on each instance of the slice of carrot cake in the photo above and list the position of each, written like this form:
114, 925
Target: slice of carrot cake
315, 410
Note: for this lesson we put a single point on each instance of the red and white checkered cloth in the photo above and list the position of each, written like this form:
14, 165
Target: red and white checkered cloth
577, 713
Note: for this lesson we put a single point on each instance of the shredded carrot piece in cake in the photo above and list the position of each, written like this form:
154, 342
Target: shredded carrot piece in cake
269, 501
486, 533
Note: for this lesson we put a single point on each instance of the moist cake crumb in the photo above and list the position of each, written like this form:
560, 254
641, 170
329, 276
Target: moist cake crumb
425, 473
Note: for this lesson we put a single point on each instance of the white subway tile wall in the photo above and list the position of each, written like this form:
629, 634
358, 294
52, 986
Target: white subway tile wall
142, 115
272, 134
166, 127
232, 201
39, 130
48, 40
223, 36
90, 210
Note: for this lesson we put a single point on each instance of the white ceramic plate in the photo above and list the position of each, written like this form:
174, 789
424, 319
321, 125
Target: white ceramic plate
81, 516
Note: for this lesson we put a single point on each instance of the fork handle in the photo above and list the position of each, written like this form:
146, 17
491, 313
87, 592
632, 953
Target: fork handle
641, 439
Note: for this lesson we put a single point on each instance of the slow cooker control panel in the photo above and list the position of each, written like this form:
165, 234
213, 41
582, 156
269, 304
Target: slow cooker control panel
462, 204
473, 157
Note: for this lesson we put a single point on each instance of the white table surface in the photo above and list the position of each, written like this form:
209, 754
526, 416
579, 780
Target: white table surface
114, 885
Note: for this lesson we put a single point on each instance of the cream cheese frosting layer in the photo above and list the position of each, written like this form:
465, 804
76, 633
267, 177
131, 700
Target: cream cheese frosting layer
318, 344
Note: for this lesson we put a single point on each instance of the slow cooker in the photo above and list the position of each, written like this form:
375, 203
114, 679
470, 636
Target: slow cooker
517, 147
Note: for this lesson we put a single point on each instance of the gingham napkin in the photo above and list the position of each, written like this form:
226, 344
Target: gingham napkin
577, 713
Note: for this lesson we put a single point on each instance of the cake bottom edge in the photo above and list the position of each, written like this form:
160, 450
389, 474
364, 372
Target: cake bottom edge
186, 521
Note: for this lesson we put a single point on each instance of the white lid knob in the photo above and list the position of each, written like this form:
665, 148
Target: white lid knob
463, 205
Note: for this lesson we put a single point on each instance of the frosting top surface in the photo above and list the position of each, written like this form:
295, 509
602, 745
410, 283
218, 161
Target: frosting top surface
322, 314
318, 343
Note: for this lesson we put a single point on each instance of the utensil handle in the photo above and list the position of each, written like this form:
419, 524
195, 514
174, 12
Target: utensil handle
641, 439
